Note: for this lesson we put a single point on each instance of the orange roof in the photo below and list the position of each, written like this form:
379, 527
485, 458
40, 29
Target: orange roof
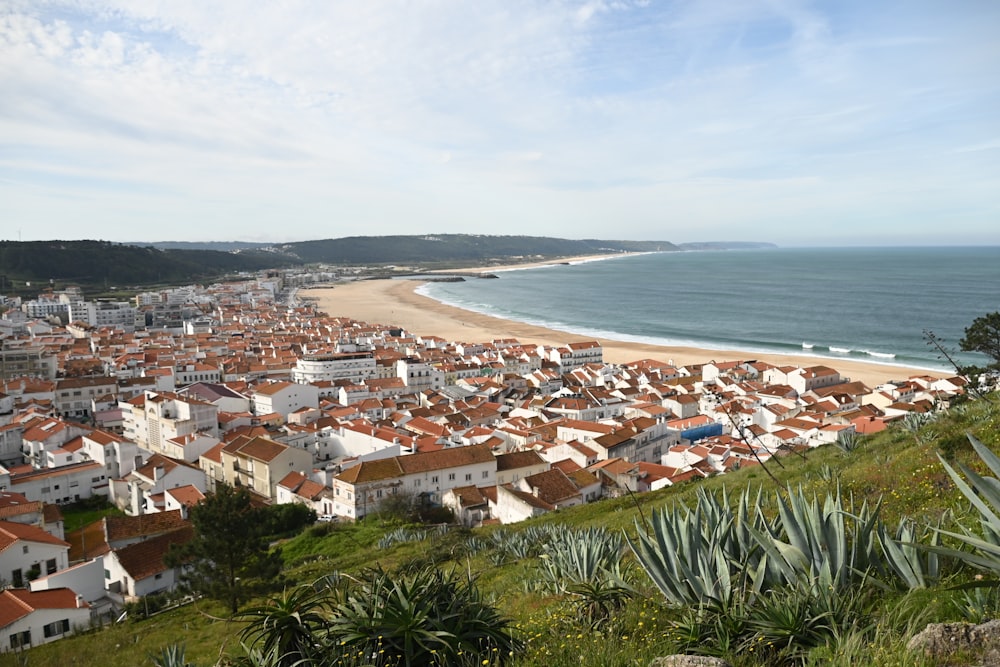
128, 527
144, 559
12, 532
17, 603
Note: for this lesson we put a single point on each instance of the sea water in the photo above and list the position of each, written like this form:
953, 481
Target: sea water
871, 304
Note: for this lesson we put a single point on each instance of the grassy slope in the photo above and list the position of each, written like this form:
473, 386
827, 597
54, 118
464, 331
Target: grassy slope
897, 467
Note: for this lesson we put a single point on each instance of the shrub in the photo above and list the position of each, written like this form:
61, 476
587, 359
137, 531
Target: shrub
426, 618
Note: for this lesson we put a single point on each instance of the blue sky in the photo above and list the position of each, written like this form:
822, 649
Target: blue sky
838, 123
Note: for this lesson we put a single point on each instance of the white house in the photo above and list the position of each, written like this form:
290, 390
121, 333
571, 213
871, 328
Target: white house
144, 488
138, 569
155, 417
354, 366
29, 618
86, 579
360, 490
284, 398
297, 488
77, 481
28, 551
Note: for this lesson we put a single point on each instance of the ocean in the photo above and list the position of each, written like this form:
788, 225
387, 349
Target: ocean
868, 304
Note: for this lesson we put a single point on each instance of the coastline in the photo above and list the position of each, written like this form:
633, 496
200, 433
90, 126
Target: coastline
579, 259
396, 302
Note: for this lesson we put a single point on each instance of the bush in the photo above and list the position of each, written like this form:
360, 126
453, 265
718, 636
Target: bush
286, 519
427, 618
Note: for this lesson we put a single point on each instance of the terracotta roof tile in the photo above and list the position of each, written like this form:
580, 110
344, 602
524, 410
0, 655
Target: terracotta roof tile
118, 528
12, 532
145, 559
17, 603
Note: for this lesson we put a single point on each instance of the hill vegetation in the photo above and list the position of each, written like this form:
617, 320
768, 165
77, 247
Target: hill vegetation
105, 264
99, 265
572, 594
455, 248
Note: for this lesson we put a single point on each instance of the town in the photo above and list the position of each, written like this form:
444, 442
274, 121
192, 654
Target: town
151, 403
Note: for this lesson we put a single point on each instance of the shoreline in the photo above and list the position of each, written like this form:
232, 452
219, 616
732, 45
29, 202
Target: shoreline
578, 259
396, 302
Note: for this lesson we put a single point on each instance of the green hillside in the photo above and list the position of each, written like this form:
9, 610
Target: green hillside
897, 473
454, 248
103, 264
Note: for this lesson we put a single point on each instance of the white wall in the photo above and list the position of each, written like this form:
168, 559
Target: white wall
86, 579
36, 621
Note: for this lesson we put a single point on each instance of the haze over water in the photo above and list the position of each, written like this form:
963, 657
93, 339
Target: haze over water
870, 304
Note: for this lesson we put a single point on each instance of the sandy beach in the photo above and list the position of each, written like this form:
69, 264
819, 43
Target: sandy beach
395, 302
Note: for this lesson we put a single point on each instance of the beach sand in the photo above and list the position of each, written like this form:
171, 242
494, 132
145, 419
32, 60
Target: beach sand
395, 302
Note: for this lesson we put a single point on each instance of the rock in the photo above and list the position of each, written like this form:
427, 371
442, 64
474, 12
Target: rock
688, 661
972, 644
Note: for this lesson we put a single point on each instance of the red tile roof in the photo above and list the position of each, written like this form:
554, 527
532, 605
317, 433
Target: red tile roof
12, 532
17, 603
145, 559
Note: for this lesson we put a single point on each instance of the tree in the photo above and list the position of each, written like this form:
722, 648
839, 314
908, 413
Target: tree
228, 559
983, 336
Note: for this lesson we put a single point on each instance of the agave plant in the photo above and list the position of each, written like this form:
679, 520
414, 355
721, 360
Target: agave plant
984, 495
707, 555
847, 442
693, 556
584, 556
401, 536
288, 629
171, 656
821, 542
913, 565
427, 618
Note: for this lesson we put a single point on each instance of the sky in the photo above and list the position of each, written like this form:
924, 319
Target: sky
796, 123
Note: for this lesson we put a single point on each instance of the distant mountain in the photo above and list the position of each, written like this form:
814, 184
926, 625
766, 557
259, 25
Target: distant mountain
104, 264
725, 245
425, 249
221, 246
454, 248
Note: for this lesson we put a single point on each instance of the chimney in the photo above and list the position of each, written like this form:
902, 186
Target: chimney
157, 473
80, 604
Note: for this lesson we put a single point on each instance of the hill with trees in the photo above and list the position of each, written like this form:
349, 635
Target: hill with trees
101, 263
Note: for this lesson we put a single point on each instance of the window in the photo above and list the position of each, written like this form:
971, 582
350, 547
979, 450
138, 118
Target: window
19, 639
158, 576
25, 547
378, 494
416, 482
57, 628
486, 474
45, 489
468, 477
50, 566
451, 477
107, 574
434, 479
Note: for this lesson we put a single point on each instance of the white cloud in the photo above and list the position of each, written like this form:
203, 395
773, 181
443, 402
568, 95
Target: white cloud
290, 118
